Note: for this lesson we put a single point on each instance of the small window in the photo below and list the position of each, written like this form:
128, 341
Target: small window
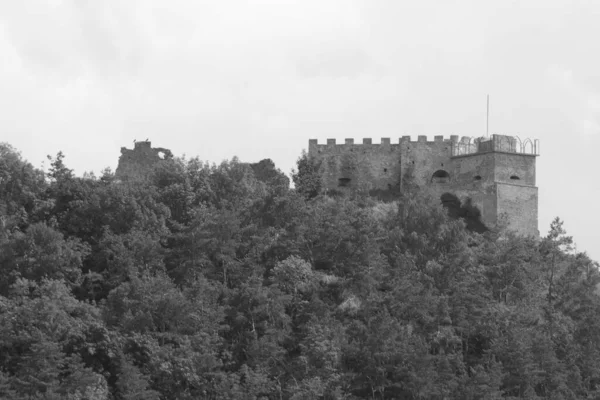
385, 170
343, 182
440, 173
440, 176
477, 178
515, 178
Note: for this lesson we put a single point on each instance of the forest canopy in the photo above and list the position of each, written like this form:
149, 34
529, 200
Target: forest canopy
222, 282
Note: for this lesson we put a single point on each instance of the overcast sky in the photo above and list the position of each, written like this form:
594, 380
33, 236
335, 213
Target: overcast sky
257, 79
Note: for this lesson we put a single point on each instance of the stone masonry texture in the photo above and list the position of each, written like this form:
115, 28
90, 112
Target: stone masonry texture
138, 163
497, 174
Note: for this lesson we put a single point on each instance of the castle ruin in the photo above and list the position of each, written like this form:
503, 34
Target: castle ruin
137, 164
496, 174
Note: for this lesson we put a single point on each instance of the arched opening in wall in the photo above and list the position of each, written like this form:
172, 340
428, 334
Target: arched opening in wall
477, 178
161, 155
344, 182
527, 147
515, 178
440, 176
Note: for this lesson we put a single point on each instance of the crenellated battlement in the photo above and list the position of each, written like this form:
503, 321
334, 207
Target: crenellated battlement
465, 145
388, 141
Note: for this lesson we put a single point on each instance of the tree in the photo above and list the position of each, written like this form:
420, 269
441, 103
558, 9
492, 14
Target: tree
41, 252
58, 171
307, 179
273, 178
553, 250
133, 385
39, 327
21, 187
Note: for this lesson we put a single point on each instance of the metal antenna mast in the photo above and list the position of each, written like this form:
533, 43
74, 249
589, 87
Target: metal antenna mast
487, 120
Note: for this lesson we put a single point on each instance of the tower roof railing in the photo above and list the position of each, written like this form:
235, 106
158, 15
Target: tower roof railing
496, 143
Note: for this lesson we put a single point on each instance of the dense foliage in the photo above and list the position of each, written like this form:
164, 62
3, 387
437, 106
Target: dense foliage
220, 282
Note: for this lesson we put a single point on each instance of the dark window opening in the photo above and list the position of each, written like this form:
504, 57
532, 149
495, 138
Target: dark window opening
385, 170
343, 182
442, 164
477, 177
515, 178
440, 176
413, 162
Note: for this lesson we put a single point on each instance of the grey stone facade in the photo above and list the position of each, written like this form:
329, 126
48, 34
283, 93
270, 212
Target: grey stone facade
496, 173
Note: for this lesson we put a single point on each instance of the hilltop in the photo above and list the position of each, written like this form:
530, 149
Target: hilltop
222, 282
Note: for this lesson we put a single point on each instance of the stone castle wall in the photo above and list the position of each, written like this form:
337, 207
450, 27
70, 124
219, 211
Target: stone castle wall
490, 172
137, 164
367, 166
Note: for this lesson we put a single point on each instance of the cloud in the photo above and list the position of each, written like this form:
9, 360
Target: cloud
215, 73
583, 105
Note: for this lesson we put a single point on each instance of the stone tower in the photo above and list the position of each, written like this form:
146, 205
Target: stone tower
138, 163
497, 173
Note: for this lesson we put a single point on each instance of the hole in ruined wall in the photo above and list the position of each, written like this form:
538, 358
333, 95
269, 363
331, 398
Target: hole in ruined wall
449, 200
161, 155
344, 182
466, 211
477, 178
385, 170
413, 162
440, 176
515, 178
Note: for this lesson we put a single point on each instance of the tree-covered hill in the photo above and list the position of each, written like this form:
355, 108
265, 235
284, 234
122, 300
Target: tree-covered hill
221, 282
